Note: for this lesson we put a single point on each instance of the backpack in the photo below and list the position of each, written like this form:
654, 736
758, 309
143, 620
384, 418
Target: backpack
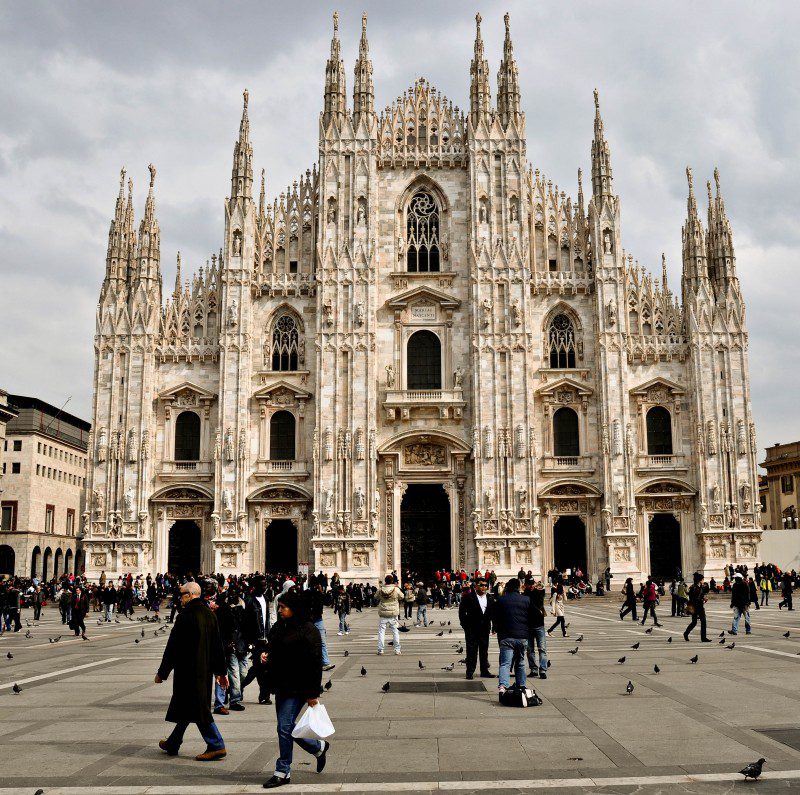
516, 696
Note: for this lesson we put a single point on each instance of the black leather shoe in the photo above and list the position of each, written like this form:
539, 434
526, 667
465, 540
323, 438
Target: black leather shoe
470, 676
276, 781
323, 757
487, 675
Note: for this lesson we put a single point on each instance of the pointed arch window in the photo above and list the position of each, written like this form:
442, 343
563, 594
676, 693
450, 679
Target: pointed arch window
561, 342
659, 431
422, 233
285, 341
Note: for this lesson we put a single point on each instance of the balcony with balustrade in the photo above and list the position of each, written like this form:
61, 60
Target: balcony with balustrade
646, 464
569, 464
403, 404
186, 470
291, 469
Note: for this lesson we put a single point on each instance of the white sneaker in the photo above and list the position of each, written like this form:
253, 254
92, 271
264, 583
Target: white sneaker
397, 651
347, 633
340, 633
380, 651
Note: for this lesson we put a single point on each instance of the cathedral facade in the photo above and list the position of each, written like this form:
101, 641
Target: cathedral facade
422, 354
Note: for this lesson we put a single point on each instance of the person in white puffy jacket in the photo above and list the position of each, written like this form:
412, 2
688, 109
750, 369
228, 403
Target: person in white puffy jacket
390, 597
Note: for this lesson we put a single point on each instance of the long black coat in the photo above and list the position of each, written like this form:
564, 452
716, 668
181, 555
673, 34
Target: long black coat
472, 618
194, 652
295, 659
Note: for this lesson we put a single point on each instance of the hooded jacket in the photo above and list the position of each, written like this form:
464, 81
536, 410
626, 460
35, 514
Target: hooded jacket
389, 599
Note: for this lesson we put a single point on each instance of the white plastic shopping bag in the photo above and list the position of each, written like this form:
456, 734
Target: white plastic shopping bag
314, 724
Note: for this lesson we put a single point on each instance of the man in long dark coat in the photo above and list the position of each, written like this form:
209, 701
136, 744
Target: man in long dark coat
194, 652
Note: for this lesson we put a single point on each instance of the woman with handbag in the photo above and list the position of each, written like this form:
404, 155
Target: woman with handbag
697, 608
294, 668
557, 601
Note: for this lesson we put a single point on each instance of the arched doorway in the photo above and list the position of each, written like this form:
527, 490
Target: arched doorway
7, 559
80, 562
281, 547
57, 566
36, 562
425, 529
68, 563
46, 572
665, 545
569, 544
184, 548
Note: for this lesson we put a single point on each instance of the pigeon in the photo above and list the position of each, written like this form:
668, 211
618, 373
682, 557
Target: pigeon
722, 642
10, 656
58, 638
386, 687
404, 628
28, 634
448, 623
648, 631
629, 687
328, 685
786, 634
669, 639
439, 634
421, 666
549, 663
460, 650
136, 640
656, 669
721, 635
449, 667
694, 659
39, 792
346, 653
363, 671
635, 646
51, 640
579, 639
620, 660
99, 623
28, 623
17, 689
753, 770
449, 631
442, 623
731, 645
142, 633
574, 651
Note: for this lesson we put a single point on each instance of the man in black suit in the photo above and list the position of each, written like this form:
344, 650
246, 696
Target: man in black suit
475, 616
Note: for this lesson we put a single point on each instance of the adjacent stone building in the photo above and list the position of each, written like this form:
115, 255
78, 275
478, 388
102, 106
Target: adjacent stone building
421, 354
43, 490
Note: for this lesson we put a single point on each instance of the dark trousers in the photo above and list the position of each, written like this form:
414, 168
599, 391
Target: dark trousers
77, 625
408, 607
559, 621
699, 615
675, 605
37, 612
786, 602
477, 643
651, 608
257, 671
628, 608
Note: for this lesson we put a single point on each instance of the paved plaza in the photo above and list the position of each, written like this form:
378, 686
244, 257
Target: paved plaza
89, 715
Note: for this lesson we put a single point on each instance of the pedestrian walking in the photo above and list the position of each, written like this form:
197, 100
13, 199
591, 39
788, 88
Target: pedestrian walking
230, 618
421, 600
740, 604
195, 655
317, 608
751, 588
341, 606
765, 585
80, 607
256, 629
37, 600
629, 605
557, 608
786, 592
512, 621
389, 599
475, 616
650, 600
696, 607
408, 600
294, 663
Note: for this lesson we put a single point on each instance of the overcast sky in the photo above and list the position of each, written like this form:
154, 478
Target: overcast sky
90, 87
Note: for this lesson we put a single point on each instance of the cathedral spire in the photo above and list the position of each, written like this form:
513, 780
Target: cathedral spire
176, 293
508, 93
149, 254
720, 239
602, 187
695, 265
116, 254
363, 89
664, 284
242, 173
335, 88
262, 204
581, 211
480, 99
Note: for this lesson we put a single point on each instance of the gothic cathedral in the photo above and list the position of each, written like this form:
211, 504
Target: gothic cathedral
422, 354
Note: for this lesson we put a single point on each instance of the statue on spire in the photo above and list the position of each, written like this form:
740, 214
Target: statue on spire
152, 169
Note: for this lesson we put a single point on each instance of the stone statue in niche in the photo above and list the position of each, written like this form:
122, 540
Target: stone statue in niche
101, 445
445, 248
227, 506
703, 517
359, 500
489, 498
458, 378
612, 312
228, 444
217, 446
128, 502
482, 214
514, 211
237, 243
359, 313
328, 503
516, 312
716, 502
327, 313
523, 501
144, 451
620, 498
607, 243
389, 375
132, 446
361, 216
99, 502
233, 314
401, 247
747, 496
741, 441
487, 312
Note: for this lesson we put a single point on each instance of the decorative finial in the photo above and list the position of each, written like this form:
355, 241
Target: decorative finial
364, 21
246, 95
596, 100
130, 185
507, 20
478, 20
716, 179
708, 189
122, 179
580, 179
335, 22
152, 169
690, 177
